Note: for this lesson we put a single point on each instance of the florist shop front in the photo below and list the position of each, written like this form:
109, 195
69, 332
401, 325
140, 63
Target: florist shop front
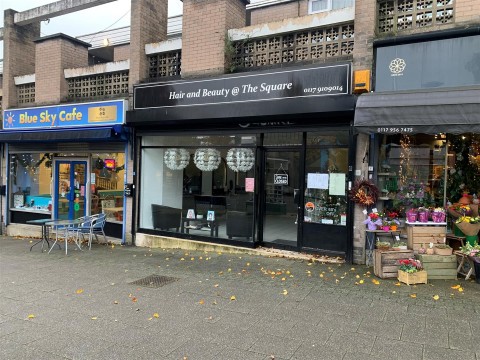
65, 162
424, 126
247, 159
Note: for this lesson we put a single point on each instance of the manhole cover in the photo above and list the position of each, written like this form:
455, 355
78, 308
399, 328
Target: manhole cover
154, 281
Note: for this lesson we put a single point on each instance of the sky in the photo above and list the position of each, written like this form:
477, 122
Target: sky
112, 15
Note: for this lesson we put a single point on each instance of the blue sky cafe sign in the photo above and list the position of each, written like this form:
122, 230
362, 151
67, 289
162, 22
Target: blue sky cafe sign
66, 116
253, 87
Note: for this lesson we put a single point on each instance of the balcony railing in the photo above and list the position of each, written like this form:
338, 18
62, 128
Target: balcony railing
106, 85
317, 44
398, 15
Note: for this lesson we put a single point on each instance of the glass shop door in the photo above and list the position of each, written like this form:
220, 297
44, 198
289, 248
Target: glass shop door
70, 184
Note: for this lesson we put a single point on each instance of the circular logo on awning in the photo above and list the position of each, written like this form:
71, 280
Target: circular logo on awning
397, 66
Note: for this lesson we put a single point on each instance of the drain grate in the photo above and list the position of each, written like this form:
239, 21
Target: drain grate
154, 281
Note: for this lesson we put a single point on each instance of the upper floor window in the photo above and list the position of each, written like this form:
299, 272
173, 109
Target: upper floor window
315, 6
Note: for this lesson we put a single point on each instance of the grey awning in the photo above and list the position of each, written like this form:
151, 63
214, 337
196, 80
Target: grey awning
453, 111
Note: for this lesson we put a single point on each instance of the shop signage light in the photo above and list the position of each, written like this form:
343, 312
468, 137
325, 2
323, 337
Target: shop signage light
240, 159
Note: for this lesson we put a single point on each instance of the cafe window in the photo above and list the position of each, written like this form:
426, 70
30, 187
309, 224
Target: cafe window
30, 181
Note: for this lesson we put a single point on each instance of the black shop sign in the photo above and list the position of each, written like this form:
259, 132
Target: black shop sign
303, 82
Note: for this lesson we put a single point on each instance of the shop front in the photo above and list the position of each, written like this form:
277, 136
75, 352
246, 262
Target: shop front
251, 159
424, 122
65, 162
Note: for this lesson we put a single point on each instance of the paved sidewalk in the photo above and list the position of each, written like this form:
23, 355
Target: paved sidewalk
223, 306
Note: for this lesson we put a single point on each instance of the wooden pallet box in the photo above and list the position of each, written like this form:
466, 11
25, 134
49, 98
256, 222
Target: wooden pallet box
425, 234
439, 266
386, 262
419, 277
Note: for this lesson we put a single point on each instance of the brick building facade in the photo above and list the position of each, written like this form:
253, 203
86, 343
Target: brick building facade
220, 37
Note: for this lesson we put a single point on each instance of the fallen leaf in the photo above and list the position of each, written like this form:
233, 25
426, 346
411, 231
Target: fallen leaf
285, 292
94, 318
413, 296
134, 299
229, 270
321, 275
115, 302
436, 297
358, 276
287, 272
375, 281
79, 291
220, 273
214, 302
283, 279
460, 289
361, 281
248, 264
155, 315
456, 287
150, 319
31, 316
182, 259
113, 246
337, 281
352, 269
201, 302
398, 284
192, 258
232, 298
216, 285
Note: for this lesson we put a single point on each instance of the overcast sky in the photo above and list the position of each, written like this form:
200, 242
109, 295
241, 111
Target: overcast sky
112, 15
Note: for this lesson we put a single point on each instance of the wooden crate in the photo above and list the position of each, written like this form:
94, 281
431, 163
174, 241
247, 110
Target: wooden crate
439, 266
419, 277
424, 234
386, 262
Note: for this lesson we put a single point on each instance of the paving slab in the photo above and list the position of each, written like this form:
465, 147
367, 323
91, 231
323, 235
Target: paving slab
223, 306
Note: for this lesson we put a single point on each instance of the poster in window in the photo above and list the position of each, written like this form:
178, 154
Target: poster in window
337, 184
210, 215
317, 181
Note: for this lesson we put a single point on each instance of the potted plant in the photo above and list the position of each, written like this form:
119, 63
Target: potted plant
411, 272
470, 226
438, 215
383, 245
422, 249
423, 214
442, 249
430, 250
373, 221
473, 253
399, 245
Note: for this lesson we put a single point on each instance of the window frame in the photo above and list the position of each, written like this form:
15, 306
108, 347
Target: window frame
310, 5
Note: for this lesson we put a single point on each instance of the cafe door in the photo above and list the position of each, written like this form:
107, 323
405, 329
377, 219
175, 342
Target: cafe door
279, 204
70, 184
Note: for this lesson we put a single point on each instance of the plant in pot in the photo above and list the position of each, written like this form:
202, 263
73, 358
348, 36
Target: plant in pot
443, 249
422, 249
383, 245
430, 250
411, 272
399, 245
473, 253
373, 221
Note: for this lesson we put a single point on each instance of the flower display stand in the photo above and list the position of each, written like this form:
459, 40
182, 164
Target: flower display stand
419, 277
371, 237
465, 265
424, 233
439, 266
386, 262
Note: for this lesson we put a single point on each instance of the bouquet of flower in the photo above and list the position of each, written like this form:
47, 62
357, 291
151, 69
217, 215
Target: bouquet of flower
460, 210
373, 220
469, 225
410, 265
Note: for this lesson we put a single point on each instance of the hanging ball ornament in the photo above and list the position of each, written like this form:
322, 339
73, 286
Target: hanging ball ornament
176, 159
207, 159
240, 159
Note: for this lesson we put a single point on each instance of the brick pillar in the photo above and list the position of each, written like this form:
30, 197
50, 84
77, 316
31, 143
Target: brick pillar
365, 23
148, 25
205, 26
18, 56
467, 11
54, 54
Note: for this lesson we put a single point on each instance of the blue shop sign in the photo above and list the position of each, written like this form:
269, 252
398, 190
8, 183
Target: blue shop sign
66, 116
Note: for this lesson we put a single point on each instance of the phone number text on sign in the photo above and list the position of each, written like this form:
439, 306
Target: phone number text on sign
395, 130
